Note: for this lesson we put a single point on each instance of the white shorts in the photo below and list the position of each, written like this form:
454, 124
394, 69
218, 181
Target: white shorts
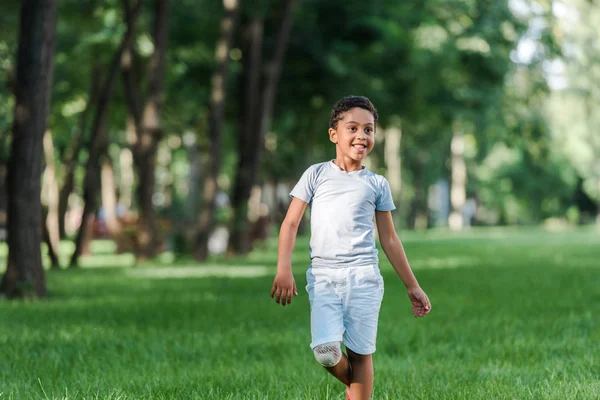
344, 304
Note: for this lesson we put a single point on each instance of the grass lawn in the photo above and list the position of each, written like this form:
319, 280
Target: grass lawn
516, 315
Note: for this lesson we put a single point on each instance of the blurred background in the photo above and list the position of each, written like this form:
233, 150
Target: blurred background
179, 127
147, 149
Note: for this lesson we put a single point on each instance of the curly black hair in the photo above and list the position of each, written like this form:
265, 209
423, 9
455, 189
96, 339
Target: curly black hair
347, 103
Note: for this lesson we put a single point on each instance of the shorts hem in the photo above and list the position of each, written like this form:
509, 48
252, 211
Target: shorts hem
329, 339
364, 351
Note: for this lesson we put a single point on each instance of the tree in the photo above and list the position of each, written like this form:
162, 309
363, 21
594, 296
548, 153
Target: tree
8, 47
215, 127
71, 155
258, 104
147, 127
50, 202
573, 104
87, 33
35, 59
98, 137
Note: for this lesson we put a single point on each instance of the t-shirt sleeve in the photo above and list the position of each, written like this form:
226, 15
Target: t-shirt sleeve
384, 197
305, 188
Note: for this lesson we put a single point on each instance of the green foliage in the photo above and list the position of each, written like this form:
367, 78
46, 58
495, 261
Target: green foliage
572, 107
88, 33
510, 319
425, 64
8, 50
514, 183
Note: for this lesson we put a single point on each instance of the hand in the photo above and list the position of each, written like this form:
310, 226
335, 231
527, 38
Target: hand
420, 302
284, 286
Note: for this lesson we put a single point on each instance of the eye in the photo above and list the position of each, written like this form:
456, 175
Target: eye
369, 130
352, 128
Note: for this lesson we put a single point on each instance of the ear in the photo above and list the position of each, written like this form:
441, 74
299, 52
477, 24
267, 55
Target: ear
333, 135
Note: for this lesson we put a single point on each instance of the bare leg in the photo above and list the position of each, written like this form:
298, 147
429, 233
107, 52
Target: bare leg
361, 382
356, 372
342, 370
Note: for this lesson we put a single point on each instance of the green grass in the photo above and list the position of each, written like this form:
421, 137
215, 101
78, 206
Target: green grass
515, 316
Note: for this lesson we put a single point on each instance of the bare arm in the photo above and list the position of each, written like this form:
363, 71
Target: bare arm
393, 249
284, 285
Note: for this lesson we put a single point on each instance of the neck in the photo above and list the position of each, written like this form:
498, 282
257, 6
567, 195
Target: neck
347, 164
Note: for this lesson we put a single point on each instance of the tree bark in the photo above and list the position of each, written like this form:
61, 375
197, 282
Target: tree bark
273, 72
65, 191
257, 122
98, 141
207, 218
240, 241
392, 154
50, 193
4, 154
72, 154
458, 186
598, 202
417, 217
51, 247
595, 145
25, 275
109, 197
3, 200
393, 138
91, 189
194, 178
126, 164
149, 132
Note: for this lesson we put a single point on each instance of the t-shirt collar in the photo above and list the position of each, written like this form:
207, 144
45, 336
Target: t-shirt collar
337, 168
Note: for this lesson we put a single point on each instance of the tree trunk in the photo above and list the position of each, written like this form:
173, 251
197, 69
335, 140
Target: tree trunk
109, 197
64, 194
595, 145
393, 163
3, 201
417, 217
393, 138
98, 139
54, 263
149, 238
598, 203
257, 122
273, 72
147, 230
4, 154
458, 186
194, 178
90, 194
50, 193
127, 174
25, 275
239, 240
149, 132
72, 154
207, 218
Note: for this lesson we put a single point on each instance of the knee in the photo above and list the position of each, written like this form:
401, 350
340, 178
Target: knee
328, 354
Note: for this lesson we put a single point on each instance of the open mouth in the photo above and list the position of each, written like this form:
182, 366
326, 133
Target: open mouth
360, 147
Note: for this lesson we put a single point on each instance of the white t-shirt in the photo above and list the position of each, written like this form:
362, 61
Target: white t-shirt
342, 209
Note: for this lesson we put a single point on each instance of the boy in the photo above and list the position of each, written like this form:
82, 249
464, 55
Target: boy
345, 287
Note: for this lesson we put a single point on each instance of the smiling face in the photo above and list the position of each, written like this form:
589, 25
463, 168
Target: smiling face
354, 137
